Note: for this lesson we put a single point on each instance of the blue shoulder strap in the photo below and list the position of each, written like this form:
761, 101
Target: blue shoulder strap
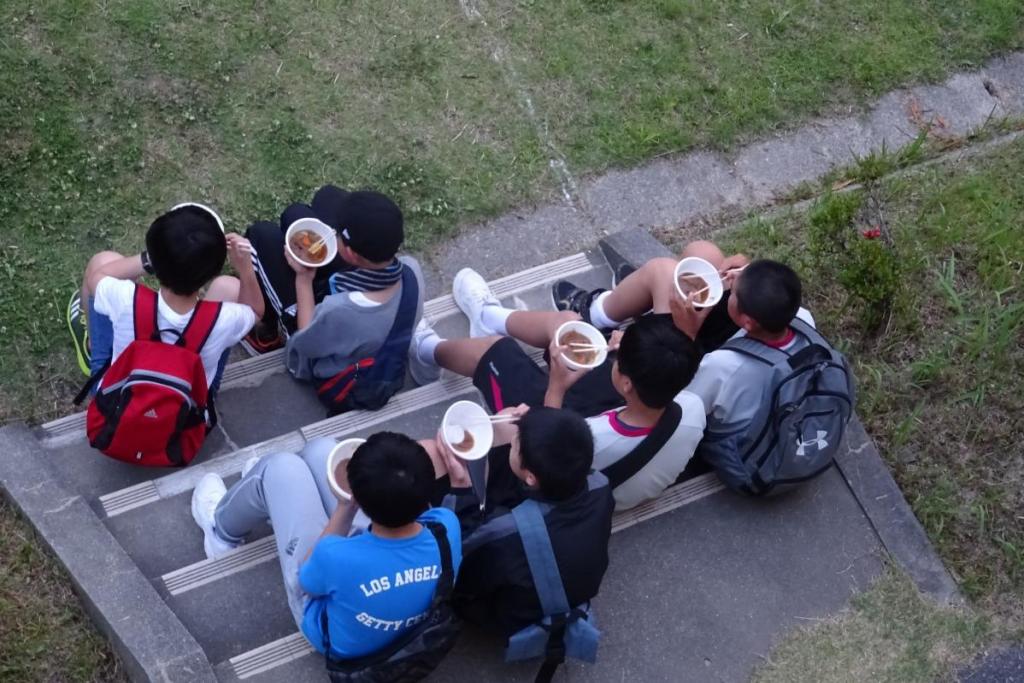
541, 557
401, 329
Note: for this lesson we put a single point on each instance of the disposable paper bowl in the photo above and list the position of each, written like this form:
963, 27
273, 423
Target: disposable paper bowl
473, 419
592, 334
204, 207
343, 451
705, 271
322, 230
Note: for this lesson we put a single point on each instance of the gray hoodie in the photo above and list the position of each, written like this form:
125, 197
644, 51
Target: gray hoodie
343, 332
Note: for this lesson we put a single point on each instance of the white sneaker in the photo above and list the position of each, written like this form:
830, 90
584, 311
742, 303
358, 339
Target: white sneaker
422, 371
249, 464
471, 294
205, 498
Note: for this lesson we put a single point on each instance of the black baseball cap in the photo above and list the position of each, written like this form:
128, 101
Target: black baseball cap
371, 225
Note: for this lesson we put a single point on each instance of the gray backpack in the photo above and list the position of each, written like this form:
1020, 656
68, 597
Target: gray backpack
798, 429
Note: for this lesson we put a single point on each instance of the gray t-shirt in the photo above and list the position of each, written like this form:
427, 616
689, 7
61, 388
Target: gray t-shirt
343, 331
733, 386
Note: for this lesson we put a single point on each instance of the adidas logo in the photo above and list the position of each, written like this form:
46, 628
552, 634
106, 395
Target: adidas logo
151, 413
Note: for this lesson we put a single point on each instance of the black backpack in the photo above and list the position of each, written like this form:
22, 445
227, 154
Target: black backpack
368, 383
800, 426
415, 653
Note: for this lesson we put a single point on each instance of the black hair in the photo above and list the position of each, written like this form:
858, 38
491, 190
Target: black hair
658, 358
558, 448
392, 479
769, 292
187, 249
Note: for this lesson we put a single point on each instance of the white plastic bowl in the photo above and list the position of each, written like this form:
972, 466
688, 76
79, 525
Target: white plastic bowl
698, 267
466, 416
204, 207
592, 334
322, 230
343, 451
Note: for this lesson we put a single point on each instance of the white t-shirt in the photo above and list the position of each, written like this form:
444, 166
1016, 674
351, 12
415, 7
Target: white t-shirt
733, 386
114, 299
613, 440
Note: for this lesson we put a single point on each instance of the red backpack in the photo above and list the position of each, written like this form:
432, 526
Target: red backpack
153, 407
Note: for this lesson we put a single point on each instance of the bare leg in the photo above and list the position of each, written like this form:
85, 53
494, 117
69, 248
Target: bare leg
461, 356
223, 288
537, 328
95, 263
708, 251
651, 286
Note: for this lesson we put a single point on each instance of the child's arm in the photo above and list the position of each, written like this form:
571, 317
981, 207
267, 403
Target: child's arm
305, 304
127, 268
240, 255
339, 524
560, 376
304, 301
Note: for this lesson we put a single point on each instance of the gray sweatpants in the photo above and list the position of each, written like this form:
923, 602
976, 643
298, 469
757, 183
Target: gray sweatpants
292, 492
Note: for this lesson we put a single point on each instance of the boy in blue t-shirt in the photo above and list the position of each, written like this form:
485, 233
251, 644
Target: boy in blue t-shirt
372, 586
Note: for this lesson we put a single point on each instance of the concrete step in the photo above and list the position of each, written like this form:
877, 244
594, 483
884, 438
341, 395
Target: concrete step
701, 594
251, 371
701, 591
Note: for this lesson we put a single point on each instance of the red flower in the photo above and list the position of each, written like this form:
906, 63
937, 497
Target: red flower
872, 234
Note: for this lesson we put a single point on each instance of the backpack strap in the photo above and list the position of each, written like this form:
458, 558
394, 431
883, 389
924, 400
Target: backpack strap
541, 557
200, 325
405, 317
447, 580
755, 349
198, 329
144, 308
626, 467
807, 330
547, 582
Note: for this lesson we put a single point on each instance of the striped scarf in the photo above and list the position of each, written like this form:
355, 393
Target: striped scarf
364, 279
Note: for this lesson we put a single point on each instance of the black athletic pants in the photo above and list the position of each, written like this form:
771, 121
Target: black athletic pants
276, 277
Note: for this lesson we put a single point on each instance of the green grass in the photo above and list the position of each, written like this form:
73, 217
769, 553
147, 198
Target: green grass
112, 111
940, 359
890, 634
620, 81
44, 635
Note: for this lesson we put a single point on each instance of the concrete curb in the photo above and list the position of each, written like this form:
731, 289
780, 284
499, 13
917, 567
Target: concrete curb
895, 523
858, 461
147, 637
690, 187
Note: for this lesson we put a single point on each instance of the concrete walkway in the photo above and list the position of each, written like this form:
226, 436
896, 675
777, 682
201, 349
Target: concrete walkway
698, 186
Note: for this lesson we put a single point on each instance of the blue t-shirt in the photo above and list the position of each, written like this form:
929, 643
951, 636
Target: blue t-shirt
373, 588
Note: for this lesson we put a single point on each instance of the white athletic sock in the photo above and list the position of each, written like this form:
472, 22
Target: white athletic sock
494, 318
598, 318
427, 346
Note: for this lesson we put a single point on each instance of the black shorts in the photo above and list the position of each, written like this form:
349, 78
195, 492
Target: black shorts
506, 376
717, 327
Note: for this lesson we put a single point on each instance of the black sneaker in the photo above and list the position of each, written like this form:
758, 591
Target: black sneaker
621, 273
568, 297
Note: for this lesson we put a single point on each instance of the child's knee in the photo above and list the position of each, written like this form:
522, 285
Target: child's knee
223, 288
316, 452
283, 466
99, 260
706, 250
659, 270
566, 317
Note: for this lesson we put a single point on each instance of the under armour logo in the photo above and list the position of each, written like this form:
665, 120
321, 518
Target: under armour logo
819, 441
151, 413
